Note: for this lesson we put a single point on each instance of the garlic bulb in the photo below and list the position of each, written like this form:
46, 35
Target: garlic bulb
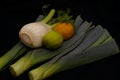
32, 34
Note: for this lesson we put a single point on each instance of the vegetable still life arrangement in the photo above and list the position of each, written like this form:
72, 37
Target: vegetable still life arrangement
57, 42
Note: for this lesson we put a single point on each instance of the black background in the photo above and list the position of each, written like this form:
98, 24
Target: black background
15, 13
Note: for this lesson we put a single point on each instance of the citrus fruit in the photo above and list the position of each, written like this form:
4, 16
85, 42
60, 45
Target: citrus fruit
65, 28
53, 40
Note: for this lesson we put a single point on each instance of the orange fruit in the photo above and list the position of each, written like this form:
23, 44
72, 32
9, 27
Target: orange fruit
65, 28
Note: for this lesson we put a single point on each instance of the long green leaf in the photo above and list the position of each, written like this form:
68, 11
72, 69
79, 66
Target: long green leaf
78, 21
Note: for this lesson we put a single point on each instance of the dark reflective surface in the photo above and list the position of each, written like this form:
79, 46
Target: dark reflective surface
14, 14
